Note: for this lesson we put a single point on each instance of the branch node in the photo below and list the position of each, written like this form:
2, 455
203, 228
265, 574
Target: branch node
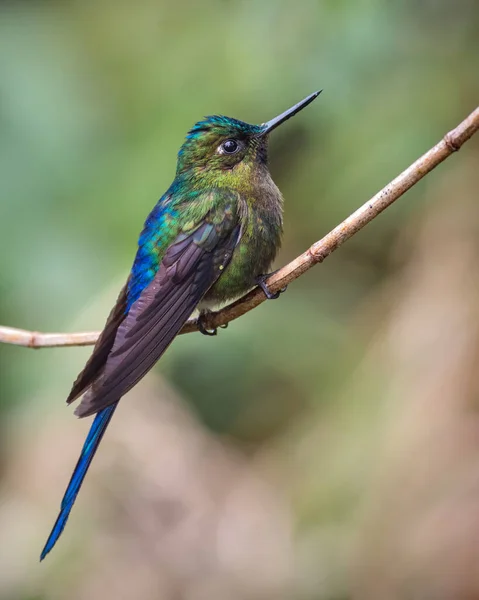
316, 257
451, 142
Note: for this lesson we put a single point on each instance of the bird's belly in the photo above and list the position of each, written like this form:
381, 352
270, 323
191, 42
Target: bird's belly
252, 257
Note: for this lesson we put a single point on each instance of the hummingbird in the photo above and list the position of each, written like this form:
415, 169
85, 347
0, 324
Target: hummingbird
210, 238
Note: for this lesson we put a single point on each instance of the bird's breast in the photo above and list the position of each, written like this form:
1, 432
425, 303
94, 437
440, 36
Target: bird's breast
261, 216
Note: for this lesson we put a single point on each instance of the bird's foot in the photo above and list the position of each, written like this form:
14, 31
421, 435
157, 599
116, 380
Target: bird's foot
261, 281
203, 323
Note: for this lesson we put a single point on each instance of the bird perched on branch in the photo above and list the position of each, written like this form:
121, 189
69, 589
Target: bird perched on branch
211, 238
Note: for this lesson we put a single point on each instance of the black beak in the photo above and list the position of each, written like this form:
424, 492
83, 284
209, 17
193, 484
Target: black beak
270, 125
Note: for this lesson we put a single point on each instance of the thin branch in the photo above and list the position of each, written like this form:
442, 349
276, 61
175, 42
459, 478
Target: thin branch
35, 339
320, 250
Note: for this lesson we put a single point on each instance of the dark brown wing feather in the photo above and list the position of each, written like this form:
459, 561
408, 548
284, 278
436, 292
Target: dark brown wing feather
188, 269
97, 360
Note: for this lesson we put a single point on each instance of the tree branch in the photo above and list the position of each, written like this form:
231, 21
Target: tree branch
320, 250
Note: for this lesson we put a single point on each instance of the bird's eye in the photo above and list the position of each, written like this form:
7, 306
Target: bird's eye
229, 147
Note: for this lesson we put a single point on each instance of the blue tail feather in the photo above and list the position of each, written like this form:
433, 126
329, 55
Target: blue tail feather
90, 446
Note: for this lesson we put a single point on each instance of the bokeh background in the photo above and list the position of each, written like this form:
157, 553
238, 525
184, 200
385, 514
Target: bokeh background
325, 446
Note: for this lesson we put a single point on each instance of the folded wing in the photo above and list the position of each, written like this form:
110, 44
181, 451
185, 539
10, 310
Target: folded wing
189, 268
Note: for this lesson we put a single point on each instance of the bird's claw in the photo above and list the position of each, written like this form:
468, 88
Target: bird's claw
202, 325
261, 281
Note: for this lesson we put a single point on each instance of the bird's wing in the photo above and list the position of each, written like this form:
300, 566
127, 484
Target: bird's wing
190, 266
97, 360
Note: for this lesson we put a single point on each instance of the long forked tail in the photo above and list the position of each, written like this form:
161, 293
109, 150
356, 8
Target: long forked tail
89, 449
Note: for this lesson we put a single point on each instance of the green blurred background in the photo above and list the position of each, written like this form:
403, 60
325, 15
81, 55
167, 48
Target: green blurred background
325, 446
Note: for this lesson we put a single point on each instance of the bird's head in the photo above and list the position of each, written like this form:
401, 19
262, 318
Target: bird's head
224, 148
